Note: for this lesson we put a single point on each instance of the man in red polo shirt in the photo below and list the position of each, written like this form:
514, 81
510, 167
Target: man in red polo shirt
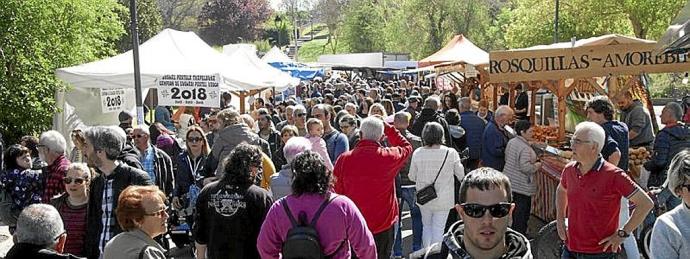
366, 175
590, 192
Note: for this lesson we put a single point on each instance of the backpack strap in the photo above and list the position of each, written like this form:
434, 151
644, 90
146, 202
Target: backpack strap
318, 212
283, 202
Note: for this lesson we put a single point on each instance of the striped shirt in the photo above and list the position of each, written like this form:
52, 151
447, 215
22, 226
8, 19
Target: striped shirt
148, 160
74, 218
108, 216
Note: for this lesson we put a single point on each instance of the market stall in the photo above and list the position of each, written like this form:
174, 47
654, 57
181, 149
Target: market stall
572, 73
458, 63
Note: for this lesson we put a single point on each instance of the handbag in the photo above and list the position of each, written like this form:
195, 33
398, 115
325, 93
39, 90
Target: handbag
427, 194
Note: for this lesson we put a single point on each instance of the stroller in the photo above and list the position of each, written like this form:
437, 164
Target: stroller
180, 221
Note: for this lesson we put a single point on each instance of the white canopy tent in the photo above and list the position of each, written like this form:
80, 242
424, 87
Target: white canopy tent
244, 58
169, 52
276, 55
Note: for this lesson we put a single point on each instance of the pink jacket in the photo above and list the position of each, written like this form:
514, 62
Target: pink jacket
318, 145
339, 222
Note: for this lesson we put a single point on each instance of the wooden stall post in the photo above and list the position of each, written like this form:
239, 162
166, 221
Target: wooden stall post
533, 106
562, 108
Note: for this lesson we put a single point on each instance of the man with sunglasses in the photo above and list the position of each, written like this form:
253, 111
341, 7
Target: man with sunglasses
300, 118
156, 162
589, 195
486, 210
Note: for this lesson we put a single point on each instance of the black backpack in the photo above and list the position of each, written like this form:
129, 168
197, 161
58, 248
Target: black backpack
302, 241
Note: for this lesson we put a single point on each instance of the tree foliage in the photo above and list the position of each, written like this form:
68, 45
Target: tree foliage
228, 21
363, 27
149, 22
180, 14
39, 36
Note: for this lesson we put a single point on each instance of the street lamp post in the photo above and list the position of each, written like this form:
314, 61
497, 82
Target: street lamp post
135, 54
277, 21
555, 29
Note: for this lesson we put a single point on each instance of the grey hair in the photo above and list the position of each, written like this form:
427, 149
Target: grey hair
299, 108
351, 105
81, 167
594, 132
371, 128
228, 117
295, 146
675, 109
678, 171
503, 110
143, 128
39, 224
432, 134
402, 117
109, 139
465, 104
54, 141
432, 102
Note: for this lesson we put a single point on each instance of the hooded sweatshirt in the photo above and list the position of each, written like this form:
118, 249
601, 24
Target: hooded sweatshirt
452, 246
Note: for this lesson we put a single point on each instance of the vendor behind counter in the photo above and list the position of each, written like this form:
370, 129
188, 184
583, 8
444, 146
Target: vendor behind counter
638, 121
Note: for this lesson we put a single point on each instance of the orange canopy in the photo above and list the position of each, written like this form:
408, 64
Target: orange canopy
458, 49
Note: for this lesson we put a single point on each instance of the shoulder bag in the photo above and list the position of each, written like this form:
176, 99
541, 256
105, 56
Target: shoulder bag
428, 193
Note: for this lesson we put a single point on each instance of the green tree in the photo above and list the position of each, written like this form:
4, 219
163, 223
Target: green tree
37, 37
149, 22
363, 27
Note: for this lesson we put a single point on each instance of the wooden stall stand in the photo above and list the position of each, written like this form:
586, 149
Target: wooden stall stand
600, 65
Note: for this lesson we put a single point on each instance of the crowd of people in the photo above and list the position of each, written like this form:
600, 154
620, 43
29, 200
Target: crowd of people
326, 172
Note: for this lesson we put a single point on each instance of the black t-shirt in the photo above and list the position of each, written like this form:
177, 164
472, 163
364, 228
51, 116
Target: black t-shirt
228, 219
522, 102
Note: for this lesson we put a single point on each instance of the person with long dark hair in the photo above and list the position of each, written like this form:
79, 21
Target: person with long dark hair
341, 227
229, 212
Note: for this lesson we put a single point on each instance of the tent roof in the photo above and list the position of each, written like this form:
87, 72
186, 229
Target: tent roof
245, 58
169, 52
276, 55
610, 39
458, 49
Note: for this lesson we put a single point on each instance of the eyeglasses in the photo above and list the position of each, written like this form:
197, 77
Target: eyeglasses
138, 136
578, 141
194, 139
301, 114
498, 210
344, 126
69, 180
159, 213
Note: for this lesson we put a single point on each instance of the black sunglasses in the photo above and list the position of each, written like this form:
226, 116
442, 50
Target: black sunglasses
194, 140
139, 136
498, 210
301, 114
68, 180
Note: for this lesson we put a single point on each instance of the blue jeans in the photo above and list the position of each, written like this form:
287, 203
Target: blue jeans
574, 255
408, 196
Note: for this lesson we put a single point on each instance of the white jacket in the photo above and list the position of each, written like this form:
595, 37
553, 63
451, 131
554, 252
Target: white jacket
425, 164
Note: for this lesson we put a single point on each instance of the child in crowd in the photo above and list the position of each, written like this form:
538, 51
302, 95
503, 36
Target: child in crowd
318, 145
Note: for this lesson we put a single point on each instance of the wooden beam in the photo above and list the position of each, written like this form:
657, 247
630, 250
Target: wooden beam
562, 108
533, 104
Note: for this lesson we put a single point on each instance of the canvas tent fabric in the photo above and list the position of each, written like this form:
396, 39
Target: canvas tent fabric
169, 52
458, 49
243, 58
277, 59
276, 55
610, 39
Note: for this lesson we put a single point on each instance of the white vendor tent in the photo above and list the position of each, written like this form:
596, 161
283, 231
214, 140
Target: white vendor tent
244, 58
275, 55
169, 52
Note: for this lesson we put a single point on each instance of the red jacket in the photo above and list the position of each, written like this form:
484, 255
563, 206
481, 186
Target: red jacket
366, 175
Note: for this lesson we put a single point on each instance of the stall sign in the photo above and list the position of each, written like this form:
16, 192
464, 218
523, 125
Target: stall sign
189, 90
470, 71
112, 100
582, 62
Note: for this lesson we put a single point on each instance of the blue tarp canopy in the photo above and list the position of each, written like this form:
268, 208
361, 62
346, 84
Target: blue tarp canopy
298, 71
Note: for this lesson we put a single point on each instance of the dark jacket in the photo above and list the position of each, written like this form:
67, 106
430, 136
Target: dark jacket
274, 141
616, 138
184, 176
278, 158
668, 141
494, 142
228, 219
164, 169
130, 156
123, 176
429, 115
405, 171
452, 245
474, 128
25, 250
